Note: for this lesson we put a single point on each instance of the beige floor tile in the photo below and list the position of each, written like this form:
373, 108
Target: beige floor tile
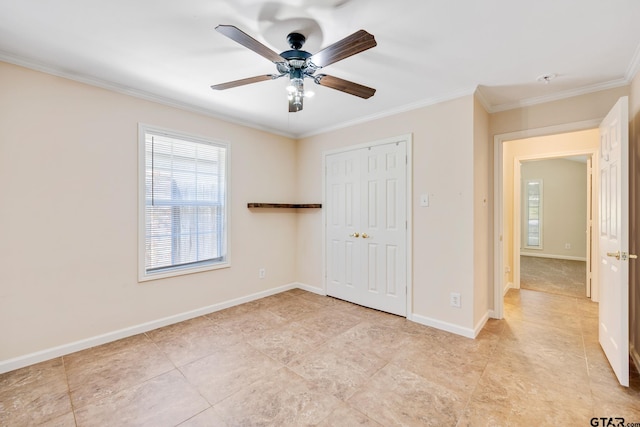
281, 398
533, 338
228, 370
514, 376
587, 308
105, 370
485, 413
66, 420
270, 301
564, 412
377, 338
295, 308
629, 410
336, 368
330, 322
346, 416
246, 323
166, 400
191, 340
556, 276
207, 418
286, 342
566, 320
396, 397
34, 395
440, 366
608, 394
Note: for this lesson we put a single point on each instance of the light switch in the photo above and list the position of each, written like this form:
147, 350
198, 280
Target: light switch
424, 200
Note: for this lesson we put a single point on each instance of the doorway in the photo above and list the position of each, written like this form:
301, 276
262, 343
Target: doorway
576, 139
554, 217
366, 220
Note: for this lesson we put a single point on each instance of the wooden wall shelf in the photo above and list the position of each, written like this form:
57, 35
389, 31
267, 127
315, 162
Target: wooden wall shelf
285, 205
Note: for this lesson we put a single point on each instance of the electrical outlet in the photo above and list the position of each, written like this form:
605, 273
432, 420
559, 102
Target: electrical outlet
454, 299
567, 245
262, 273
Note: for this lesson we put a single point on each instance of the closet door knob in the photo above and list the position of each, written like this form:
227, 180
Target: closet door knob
365, 236
356, 234
616, 255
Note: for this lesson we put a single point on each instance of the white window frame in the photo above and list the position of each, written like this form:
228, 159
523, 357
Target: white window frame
143, 275
525, 212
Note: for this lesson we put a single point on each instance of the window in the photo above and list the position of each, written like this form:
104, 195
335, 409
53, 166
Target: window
533, 214
183, 204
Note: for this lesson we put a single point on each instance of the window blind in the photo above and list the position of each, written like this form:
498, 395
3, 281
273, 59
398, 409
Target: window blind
185, 202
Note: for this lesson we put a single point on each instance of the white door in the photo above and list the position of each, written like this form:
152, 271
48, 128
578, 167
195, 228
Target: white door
342, 204
366, 226
614, 239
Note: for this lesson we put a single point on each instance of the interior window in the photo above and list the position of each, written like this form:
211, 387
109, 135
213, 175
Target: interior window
533, 214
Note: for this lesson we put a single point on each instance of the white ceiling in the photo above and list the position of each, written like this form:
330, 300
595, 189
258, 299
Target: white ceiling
428, 51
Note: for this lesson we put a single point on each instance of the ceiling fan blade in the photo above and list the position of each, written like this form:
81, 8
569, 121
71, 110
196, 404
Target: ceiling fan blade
249, 42
345, 86
242, 82
348, 46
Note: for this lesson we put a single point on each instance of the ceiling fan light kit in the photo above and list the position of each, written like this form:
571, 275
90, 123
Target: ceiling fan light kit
298, 64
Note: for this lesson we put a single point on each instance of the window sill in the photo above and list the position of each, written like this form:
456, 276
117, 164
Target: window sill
146, 277
285, 205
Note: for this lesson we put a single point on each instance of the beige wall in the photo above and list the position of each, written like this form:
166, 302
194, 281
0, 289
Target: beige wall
443, 167
634, 215
536, 147
483, 214
591, 106
68, 223
564, 207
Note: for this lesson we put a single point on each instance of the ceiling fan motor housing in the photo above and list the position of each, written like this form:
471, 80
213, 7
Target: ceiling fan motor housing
296, 40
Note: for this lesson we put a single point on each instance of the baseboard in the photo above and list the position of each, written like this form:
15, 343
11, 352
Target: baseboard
635, 356
481, 323
552, 256
506, 288
445, 326
310, 288
62, 350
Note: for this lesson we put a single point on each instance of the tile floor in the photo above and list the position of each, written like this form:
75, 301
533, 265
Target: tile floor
555, 276
297, 359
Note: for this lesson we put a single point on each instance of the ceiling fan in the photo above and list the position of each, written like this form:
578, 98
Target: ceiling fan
298, 64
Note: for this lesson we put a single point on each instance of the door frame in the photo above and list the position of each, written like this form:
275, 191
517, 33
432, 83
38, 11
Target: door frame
408, 139
591, 291
498, 202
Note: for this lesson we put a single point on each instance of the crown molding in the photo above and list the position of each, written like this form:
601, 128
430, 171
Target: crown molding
634, 65
392, 112
559, 96
480, 96
111, 86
